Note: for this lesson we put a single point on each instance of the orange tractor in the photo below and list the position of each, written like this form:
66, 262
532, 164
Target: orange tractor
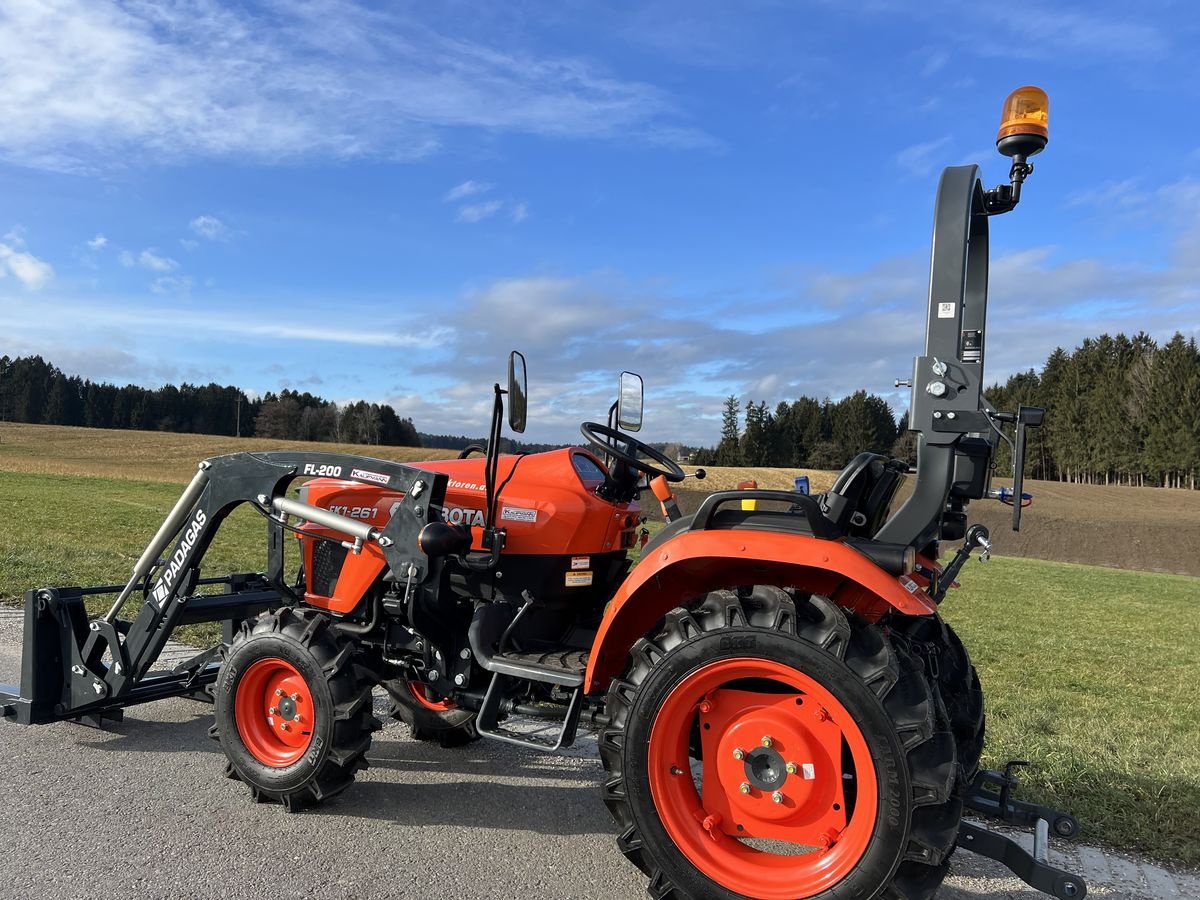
781, 711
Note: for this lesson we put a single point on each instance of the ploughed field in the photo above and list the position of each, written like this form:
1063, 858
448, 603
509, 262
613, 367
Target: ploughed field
1089, 672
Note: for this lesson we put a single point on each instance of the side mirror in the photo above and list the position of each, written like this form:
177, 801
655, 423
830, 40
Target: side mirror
629, 402
517, 392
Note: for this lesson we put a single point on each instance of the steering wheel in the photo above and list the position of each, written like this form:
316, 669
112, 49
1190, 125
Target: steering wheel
630, 451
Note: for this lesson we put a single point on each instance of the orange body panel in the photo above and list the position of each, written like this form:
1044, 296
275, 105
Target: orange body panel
548, 506
696, 562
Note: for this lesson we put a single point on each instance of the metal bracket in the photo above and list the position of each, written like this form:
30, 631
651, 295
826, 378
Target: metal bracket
1034, 872
989, 795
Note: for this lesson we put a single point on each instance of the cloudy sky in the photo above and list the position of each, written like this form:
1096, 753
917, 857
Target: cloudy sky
378, 201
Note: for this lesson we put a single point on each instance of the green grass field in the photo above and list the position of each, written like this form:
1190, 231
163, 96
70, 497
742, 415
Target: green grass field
1090, 673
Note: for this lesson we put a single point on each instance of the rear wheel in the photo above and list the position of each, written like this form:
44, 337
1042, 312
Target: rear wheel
766, 746
291, 715
430, 718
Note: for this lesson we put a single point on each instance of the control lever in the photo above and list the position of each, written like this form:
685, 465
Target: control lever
977, 536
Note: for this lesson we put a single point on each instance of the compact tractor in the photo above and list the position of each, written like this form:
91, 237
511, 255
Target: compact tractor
781, 710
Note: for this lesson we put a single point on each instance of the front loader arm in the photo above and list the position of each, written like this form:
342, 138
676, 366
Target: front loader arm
72, 677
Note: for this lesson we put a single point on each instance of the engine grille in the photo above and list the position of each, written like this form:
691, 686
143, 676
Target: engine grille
327, 565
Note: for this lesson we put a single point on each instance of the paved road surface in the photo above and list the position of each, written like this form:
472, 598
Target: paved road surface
141, 811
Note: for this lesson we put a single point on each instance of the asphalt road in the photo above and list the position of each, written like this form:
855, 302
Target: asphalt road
141, 810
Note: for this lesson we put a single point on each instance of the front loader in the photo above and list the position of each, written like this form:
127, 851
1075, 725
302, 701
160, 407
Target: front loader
781, 711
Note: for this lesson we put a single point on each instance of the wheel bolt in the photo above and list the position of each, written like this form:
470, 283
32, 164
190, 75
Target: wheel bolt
286, 727
766, 740
278, 692
295, 698
273, 711
777, 797
792, 768
739, 753
299, 718
745, 788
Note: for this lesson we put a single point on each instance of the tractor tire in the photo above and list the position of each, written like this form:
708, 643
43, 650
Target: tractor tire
949, 669
292, 715
821, 745
439, 721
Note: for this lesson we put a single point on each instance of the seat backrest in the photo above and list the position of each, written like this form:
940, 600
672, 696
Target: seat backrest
862, 494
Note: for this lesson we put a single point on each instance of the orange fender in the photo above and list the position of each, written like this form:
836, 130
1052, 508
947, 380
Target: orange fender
696, 562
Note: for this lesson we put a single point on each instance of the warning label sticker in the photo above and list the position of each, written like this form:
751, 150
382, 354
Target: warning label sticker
945, 310
581, 562
579, 579
518, 514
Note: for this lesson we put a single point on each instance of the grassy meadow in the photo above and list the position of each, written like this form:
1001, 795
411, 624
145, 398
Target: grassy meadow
1090, 673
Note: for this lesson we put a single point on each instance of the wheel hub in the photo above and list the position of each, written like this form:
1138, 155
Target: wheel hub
274, 711
766, 769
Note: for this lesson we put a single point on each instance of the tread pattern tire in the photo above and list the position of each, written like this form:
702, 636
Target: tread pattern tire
447, 728
341, 692
913, 865
949, 669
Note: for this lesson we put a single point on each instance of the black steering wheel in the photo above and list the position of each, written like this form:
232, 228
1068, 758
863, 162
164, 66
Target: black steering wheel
630, 451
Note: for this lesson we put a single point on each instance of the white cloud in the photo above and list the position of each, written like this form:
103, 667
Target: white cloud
188, 243
149, 259
466, 189
477, 212
209, 227
172, 285
84, 83
520, 212
99, 242
32, 272
920, 159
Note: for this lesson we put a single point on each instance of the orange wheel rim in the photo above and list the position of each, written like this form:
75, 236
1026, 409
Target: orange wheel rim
274, 712
784, 799
417, 689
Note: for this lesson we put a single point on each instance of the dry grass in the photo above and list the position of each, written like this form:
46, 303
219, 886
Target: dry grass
727, 478
151, 455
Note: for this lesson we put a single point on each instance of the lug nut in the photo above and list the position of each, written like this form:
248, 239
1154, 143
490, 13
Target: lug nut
766, 740
299, 718
278, 692
792, 768
739, 753
295, 698
273, 711
777, 797
286, 727
745, 788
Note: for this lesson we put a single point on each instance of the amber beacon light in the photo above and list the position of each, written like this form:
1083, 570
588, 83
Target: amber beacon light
1023, 125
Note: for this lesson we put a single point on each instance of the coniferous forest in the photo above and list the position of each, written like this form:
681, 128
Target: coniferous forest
33, 390
1120, 410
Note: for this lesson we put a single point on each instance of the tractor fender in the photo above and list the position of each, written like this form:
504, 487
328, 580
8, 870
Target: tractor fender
696, 562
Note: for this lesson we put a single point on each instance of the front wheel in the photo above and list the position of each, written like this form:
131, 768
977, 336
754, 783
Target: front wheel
292, 717
773, 747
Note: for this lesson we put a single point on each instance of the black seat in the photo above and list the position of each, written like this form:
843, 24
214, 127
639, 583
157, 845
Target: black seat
861, 496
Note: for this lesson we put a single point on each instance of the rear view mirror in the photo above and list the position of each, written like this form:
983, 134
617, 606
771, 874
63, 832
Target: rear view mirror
517, 392
629, 402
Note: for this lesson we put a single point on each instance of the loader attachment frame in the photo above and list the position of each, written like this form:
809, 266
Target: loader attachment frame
76, 667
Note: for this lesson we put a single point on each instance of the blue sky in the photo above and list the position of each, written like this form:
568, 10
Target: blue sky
379, 201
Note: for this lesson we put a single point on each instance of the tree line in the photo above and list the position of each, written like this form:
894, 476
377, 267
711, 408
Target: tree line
33, 390
1119, 410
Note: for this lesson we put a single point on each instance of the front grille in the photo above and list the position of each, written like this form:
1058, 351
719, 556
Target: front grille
327, 565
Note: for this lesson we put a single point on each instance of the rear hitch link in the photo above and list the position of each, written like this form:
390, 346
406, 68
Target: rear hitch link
990, 795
